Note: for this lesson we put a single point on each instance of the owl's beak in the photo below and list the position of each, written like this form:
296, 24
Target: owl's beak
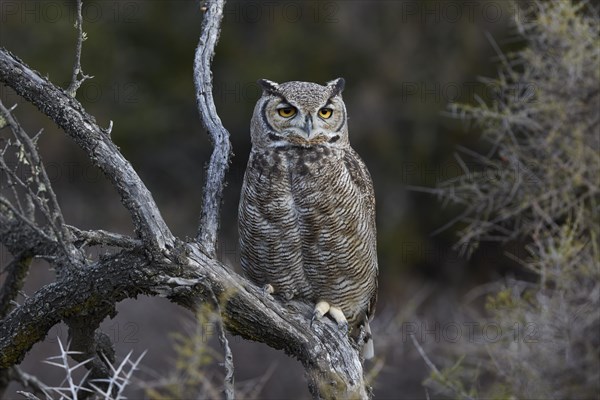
307, 128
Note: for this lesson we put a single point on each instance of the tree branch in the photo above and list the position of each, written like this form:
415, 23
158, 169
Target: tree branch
70, 115
55, 217
91, 346
29, 382
219, 160
38, 189
228, 381
99, 286
103, 238
16, 272
75, 81
188, 275
333, 365
19, 236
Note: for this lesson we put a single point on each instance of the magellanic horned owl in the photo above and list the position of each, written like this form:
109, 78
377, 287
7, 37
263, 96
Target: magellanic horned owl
307, 208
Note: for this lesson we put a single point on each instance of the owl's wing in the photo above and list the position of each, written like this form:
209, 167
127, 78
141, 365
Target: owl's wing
270, 240
362, 179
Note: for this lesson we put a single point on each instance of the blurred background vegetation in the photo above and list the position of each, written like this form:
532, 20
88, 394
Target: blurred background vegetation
404, 63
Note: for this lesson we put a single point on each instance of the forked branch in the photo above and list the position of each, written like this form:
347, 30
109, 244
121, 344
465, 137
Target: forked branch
158, 263
70, 115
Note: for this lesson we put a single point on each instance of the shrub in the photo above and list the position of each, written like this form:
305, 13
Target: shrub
539, 184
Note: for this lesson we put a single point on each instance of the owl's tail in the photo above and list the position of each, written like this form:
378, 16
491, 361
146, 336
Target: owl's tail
368, 349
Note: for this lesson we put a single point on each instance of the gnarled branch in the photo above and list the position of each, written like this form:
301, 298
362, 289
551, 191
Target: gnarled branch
219, 160
159, 264
333, 365
70, 115
16, 272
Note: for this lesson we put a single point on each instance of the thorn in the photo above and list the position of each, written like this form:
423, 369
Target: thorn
267, 289
37, 136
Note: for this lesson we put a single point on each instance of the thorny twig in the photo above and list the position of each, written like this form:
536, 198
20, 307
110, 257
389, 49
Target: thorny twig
29, 382
38, 170
70, 115
228, 381
437, 372
324, 351
76, 81
37, 186
103, 238
12, 210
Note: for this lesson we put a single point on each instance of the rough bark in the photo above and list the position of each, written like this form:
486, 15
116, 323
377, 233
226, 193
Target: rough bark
332, 364
16, 272
70, 115
154, 262
219, 160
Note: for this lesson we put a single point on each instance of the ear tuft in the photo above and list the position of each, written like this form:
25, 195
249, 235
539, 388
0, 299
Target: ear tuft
337, 86
268, 86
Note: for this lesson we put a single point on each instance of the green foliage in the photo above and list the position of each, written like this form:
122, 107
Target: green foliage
190, 377
543, 125
196, 370
452, 380
540, 185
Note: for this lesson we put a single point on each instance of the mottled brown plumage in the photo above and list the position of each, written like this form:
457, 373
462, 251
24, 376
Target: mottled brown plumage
307, 209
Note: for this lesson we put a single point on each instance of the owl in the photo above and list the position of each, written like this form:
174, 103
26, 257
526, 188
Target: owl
307, 207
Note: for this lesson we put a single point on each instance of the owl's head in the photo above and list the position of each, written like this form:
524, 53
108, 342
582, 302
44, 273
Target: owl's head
301, 114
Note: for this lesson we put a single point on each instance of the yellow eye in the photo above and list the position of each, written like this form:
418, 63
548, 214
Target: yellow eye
325, 113
287, 112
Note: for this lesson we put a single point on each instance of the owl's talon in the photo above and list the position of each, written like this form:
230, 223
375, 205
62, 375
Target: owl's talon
339, 317
314, 317
268, 289
336, 313
321, 309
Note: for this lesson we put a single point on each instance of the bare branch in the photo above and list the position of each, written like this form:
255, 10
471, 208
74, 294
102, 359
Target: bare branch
189, 275
98, 286
70, 115
228, 359
38, 189
16, 272
437, 374
81, 37
103, 238
92, 347
9, 212
333, 365
29, 382
38, 170
18, 236
219, 160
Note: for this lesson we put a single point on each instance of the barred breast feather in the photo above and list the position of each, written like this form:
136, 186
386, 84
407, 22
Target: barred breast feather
307, 208
307, 226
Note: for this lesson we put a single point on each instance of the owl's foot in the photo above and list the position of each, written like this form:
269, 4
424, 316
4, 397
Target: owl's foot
268, 289
323, 308
339, 317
